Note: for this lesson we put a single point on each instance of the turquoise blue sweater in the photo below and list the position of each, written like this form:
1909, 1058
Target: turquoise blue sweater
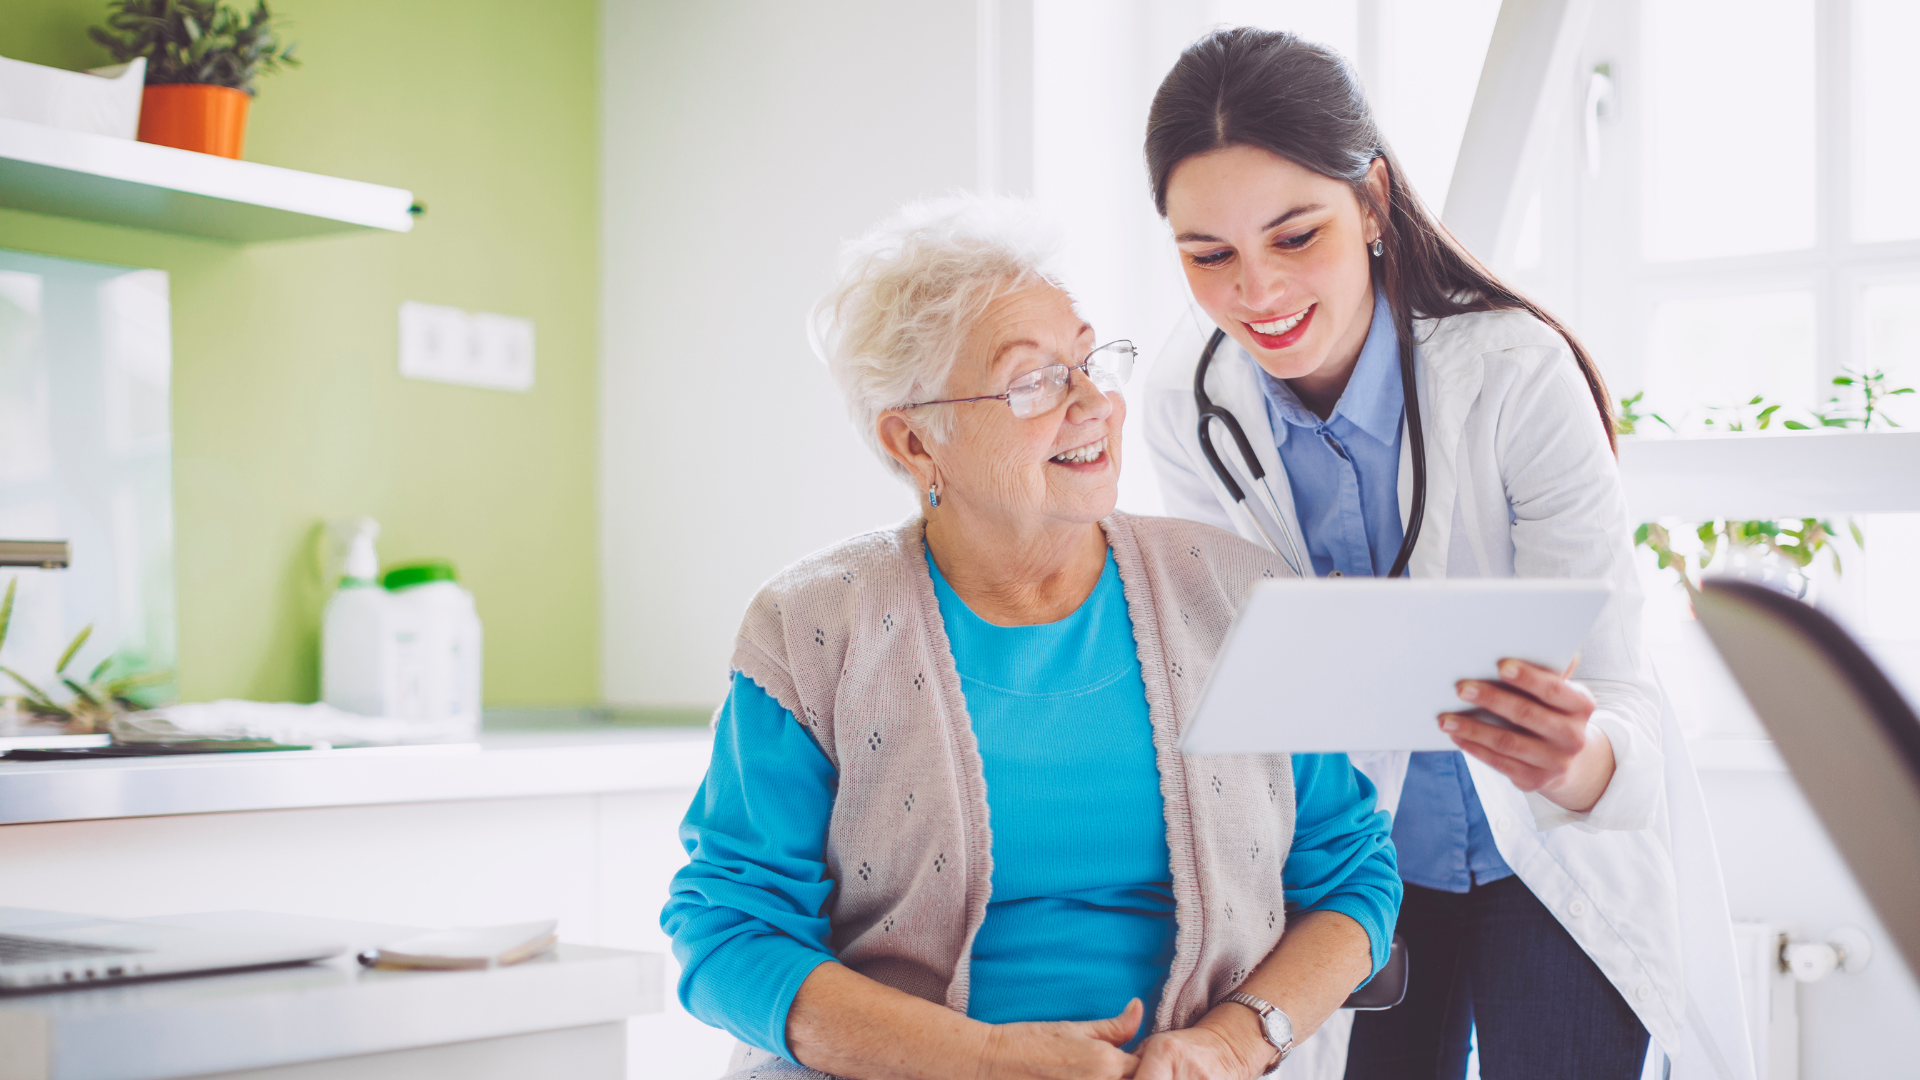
1081, 916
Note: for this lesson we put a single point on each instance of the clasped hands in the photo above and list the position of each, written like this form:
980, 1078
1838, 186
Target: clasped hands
1221, 1046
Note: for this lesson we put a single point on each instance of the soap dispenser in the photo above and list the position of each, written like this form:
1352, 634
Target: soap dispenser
356, 652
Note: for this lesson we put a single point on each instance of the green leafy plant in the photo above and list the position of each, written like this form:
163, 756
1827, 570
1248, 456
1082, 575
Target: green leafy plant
1796, 541
1626, 421
1736, 417
195, 41
96, 700
1869, 387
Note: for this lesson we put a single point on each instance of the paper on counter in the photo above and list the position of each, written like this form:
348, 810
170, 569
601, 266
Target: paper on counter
466, 950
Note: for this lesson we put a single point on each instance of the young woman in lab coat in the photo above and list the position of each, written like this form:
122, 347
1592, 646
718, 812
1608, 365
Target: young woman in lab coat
1563, 897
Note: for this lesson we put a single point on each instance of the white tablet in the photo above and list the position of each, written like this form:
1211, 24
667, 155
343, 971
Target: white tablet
1334, 665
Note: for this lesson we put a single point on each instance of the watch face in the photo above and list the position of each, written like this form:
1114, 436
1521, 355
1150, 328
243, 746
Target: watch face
1279, 1029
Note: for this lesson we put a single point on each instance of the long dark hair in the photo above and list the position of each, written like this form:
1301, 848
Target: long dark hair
1269, 89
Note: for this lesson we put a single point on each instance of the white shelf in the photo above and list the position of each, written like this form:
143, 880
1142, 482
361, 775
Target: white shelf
1793, 474
122, 182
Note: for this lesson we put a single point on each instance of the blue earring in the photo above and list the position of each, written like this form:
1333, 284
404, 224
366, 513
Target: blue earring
1377, 247
933, 497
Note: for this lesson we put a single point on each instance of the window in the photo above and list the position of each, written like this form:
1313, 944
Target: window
1741, 223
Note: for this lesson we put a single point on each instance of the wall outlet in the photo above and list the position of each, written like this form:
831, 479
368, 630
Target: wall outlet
446, 344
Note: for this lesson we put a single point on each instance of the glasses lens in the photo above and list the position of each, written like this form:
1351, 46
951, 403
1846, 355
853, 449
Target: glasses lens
1111, 365
1037, 391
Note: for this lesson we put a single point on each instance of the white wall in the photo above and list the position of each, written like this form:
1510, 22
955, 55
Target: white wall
741, 142
1781, 868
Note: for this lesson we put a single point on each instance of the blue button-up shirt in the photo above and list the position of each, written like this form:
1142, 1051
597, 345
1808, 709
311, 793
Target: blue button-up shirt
1345, 474
1345, 470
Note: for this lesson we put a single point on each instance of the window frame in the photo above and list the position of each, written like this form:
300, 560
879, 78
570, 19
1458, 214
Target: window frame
1602, 273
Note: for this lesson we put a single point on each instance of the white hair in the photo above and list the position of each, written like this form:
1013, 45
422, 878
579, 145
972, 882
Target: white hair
908, 294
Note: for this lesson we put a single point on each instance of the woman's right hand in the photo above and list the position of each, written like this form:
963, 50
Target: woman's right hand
1063, 1049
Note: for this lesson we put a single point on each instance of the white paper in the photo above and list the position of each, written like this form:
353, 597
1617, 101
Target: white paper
484, 944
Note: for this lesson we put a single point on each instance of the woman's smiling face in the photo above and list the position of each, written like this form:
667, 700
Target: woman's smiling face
1059, 467
1277, 255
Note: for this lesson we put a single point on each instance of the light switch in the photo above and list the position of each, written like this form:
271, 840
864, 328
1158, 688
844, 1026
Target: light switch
446, 344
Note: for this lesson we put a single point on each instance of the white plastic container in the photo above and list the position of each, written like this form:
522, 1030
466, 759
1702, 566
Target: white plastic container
104, 101
404, 646
437, 643
357, 669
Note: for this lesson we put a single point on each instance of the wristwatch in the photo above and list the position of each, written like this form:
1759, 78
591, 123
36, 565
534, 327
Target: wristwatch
1274, 1024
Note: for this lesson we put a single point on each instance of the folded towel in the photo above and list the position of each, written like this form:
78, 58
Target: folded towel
281, 722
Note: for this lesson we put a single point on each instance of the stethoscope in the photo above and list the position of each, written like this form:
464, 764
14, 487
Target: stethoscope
1211, 413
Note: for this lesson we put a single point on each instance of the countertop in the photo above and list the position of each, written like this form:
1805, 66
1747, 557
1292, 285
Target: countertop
518, 755
202, 1024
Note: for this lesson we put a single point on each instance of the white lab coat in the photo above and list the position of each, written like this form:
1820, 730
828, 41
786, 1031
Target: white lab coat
1520, 483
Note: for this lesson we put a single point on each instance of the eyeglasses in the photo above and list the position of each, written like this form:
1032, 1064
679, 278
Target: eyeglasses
1040, 390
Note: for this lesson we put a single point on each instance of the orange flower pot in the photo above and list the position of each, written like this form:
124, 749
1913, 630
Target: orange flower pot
194, 116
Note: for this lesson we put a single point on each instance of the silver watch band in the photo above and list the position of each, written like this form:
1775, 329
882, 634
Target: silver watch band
1275, 1026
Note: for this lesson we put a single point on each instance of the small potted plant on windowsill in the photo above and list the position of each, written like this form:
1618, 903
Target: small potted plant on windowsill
202, 58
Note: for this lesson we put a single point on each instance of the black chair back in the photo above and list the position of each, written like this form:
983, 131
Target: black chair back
1389, 984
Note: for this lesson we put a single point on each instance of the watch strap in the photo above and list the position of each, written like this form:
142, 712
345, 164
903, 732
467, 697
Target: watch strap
1266, 1010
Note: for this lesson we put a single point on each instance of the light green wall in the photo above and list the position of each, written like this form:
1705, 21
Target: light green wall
288, 406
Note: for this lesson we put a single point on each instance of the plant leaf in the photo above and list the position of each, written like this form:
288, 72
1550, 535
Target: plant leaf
6, 610
26, 684
67, 657
116, 687
82, 692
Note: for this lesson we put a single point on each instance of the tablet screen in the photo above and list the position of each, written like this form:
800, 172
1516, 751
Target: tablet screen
1348, 665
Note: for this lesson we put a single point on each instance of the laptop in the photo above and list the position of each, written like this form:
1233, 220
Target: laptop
44, 950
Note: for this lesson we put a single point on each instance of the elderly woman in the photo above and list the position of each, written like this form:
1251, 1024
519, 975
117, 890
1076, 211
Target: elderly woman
946, 831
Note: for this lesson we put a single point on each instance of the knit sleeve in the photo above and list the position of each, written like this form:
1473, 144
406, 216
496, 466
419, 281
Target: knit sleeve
747, 915
1342, 856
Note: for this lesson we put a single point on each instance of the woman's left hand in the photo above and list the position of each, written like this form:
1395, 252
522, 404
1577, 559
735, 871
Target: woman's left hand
1213, 1049
1550, 749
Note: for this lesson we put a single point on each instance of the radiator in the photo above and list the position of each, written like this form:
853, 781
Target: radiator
1772, 1000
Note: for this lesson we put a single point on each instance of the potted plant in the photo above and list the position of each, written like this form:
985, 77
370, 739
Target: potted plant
202, 58
1777, 552
95, 703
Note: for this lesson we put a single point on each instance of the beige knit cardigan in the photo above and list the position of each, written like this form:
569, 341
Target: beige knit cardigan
850, 640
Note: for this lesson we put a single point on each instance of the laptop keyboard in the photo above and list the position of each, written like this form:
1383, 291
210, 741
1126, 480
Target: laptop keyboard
21, 949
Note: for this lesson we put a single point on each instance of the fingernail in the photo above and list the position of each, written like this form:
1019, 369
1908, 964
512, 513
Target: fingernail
1448, 723
1509, 670
1470, 691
